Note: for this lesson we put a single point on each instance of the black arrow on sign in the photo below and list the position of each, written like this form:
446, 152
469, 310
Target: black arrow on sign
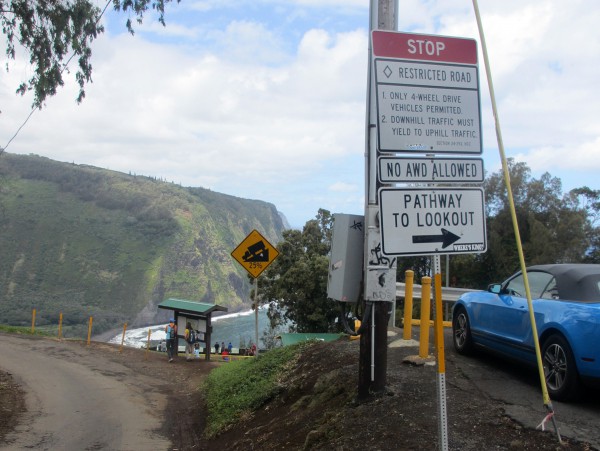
446, 238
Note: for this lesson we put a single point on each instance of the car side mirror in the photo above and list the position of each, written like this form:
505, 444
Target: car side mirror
495, 288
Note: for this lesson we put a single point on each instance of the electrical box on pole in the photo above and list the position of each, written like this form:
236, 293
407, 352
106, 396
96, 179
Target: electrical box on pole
346, 260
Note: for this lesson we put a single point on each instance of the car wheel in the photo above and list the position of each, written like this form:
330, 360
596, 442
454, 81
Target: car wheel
461, 332
561, 375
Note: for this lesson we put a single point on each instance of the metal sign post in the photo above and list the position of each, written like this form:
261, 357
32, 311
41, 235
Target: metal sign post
440, 355
256, 315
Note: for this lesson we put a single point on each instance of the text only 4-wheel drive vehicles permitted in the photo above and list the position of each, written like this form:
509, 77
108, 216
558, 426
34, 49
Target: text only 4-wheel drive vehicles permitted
566, 304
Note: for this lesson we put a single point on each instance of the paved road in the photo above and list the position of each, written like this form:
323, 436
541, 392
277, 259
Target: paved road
518, 388
77, 401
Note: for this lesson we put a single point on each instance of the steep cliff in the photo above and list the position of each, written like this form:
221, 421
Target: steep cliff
86, 241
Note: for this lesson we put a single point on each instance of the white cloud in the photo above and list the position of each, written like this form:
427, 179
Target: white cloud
334, 3
272, 105
248, 42
173, 30
343, 187
582, 157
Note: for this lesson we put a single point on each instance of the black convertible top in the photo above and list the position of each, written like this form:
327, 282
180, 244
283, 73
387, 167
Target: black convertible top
575, 281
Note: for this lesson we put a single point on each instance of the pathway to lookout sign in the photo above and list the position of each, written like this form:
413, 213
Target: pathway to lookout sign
427, 93
424, 221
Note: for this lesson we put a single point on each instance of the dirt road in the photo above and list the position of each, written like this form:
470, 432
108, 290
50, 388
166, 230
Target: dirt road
80, 397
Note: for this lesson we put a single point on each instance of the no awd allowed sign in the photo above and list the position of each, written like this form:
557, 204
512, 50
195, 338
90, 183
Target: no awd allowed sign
416, 221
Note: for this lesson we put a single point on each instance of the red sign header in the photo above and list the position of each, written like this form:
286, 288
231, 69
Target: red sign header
390, 44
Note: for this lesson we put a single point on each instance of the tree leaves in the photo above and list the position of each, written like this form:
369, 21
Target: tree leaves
554, 227
50, 32
295, 285
53, 32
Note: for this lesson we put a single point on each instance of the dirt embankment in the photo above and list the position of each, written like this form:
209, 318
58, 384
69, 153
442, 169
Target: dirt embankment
316, 408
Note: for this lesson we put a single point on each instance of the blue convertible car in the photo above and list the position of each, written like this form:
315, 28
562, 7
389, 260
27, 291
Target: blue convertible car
566, 303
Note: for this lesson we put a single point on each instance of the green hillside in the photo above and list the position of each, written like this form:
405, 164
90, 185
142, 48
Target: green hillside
87, 241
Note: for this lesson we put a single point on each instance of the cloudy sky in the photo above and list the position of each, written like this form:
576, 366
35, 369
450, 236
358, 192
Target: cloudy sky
265, 99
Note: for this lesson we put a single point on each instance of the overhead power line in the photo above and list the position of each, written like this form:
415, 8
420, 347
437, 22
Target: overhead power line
33, 109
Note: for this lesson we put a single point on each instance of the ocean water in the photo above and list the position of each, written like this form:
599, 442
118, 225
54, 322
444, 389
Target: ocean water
233, 328
239, 327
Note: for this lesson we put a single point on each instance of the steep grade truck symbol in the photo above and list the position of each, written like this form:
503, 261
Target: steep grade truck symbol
257, 252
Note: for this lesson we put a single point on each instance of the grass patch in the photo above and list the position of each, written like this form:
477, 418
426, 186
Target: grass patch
22, 330
238, 388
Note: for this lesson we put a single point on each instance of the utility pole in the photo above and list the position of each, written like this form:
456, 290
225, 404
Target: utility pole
379, 271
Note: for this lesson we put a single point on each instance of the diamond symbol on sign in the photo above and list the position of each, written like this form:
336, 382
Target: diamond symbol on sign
387, 71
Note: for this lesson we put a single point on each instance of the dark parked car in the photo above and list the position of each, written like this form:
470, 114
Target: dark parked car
566, 304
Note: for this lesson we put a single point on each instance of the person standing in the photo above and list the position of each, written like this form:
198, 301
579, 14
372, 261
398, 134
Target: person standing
189, 341
217, 347
171, 337
222, 347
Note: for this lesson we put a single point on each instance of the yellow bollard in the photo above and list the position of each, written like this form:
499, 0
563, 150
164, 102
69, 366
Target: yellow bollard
425, 314
33, 321
408, 305
123, 337
439, 325
357, 324
148, 344
60, 326
89, 337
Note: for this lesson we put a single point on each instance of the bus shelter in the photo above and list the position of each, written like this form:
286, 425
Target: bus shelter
197, 313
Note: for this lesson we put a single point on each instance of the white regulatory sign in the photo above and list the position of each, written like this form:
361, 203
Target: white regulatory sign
438, 117
427, 93
435, 170
416, 221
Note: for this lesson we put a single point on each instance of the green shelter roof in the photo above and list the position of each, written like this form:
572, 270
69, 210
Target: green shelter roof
291, 339
193, 307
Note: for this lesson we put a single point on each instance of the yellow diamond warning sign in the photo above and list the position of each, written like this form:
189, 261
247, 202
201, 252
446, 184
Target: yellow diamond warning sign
255, 253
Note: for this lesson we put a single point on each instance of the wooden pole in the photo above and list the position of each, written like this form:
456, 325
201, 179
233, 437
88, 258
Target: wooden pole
89, 336
60, 318
373, 345
33, 322
148, 344
123, 337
